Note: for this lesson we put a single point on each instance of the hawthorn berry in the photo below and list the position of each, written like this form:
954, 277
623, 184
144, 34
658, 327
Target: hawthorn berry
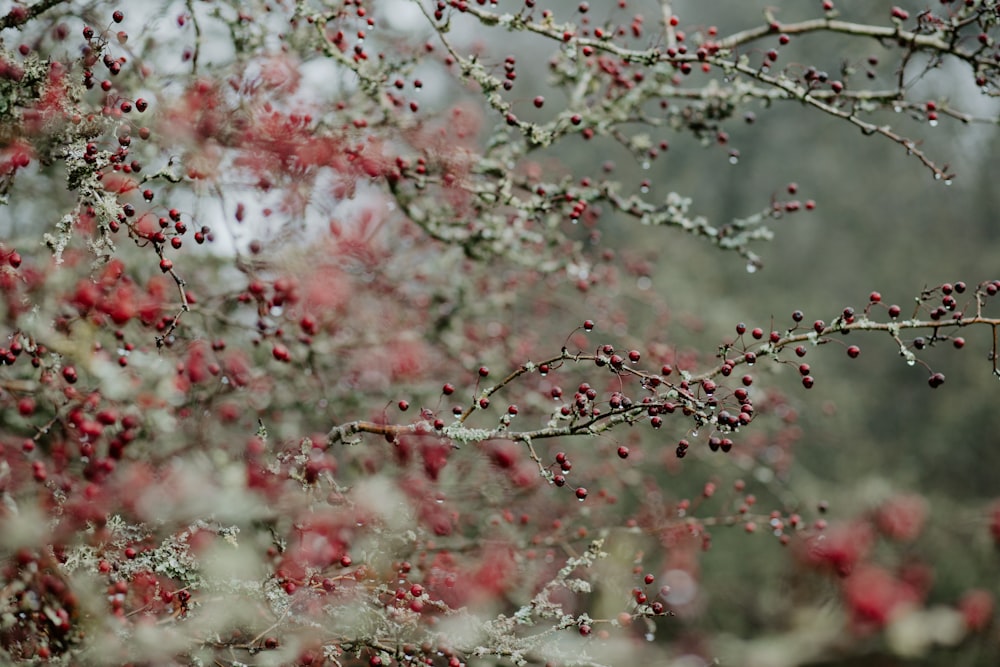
581, 493
853, 351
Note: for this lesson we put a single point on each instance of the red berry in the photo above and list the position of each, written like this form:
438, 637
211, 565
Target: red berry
483, 371
853, 351
581, 493
588, 325
118, 16
166, 265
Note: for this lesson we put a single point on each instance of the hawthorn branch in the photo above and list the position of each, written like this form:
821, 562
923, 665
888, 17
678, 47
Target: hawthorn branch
912, 40
691, 395
787, 88
18, 16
